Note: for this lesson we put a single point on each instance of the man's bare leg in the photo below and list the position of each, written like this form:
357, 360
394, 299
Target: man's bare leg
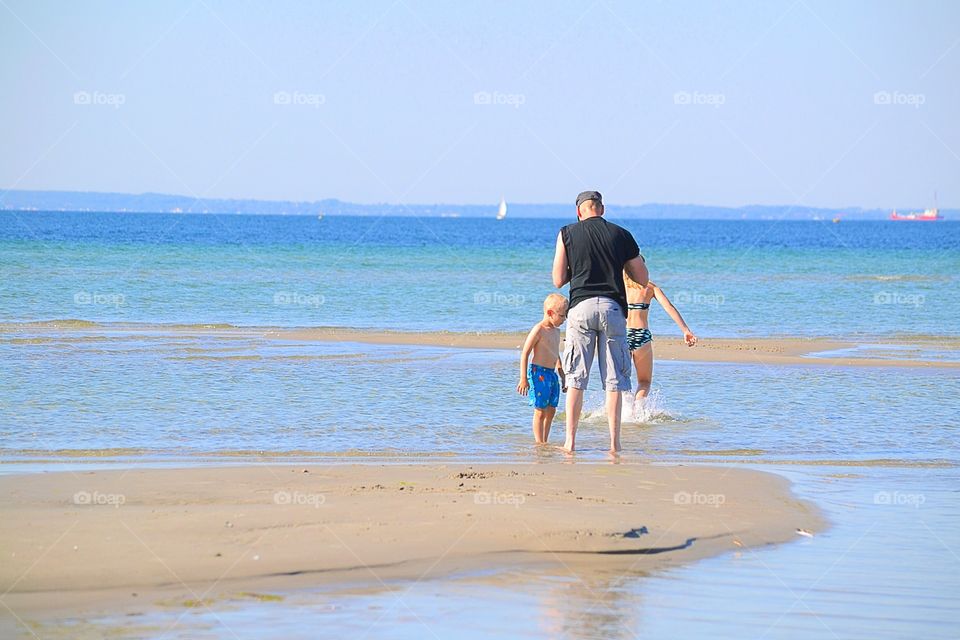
614, 406
574, 406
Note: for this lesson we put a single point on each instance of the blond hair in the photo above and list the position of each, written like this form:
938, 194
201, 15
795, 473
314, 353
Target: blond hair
554, 301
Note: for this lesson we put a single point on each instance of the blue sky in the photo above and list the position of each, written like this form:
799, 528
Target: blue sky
815, 103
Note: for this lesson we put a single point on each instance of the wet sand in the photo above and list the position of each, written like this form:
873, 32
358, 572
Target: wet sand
766, 351
82, 543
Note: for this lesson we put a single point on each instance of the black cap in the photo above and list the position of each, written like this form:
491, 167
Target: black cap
589, 195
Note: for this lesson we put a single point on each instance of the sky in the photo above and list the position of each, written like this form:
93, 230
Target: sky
829, 104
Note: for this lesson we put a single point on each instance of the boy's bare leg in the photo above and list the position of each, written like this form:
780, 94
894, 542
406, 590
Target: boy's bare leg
614, 406
574, 406
548, 415
538, 426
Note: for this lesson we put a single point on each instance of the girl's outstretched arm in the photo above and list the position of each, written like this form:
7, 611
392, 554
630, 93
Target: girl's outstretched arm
671, 310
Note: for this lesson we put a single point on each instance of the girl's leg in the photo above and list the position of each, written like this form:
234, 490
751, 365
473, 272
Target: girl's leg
643, 363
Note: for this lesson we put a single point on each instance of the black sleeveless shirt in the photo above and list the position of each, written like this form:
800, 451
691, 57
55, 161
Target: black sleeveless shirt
596, 253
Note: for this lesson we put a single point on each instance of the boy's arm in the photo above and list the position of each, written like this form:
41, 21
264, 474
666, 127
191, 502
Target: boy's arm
671, 310
532, 339
563, 377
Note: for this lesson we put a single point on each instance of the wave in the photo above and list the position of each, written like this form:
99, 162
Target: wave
866, 277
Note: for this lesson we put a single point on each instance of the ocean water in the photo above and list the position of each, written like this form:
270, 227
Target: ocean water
728, 278
877, 448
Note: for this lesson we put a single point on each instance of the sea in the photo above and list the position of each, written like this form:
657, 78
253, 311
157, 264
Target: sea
143, 340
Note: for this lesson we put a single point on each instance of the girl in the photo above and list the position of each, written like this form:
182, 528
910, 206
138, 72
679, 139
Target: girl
639, 338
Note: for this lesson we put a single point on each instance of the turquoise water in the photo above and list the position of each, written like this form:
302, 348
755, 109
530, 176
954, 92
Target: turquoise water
876, 448
729, 278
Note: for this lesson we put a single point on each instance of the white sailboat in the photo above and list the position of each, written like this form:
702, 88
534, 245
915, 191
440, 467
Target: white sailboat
502, 211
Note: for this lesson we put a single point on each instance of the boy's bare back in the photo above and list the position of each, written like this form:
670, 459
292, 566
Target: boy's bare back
546, 346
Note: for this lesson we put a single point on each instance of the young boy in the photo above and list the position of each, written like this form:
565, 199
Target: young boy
539, 379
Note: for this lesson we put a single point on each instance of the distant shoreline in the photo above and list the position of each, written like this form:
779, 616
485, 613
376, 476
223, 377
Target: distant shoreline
24, 201
613, 215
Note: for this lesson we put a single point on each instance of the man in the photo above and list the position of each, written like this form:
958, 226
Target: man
592, 255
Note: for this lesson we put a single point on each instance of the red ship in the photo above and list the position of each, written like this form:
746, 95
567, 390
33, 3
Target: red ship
929, 215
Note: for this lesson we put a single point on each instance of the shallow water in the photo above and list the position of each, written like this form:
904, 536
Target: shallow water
876, 448
181, 394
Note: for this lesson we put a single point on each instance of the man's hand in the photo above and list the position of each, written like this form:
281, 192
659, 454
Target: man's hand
689, 338
523, 387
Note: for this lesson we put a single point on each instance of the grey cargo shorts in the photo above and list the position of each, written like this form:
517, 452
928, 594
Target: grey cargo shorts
597, 325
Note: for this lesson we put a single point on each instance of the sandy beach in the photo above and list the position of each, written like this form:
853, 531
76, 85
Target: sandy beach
76, 543
769, 351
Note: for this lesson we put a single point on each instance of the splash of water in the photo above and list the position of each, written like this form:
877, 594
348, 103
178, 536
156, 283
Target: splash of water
649, 410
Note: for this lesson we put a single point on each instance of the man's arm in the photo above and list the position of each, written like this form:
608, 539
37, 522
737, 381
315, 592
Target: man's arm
636, 268
560, 266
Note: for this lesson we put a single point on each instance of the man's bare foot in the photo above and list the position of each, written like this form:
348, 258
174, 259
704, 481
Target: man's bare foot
568, 447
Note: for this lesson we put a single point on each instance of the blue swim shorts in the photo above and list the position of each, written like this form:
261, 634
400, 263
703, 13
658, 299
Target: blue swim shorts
544, 386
